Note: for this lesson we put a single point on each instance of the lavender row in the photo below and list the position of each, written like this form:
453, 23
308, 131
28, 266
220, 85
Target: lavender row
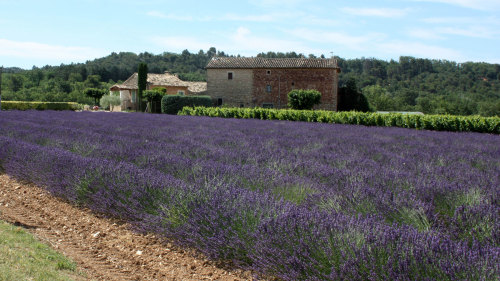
442, 181
334, 231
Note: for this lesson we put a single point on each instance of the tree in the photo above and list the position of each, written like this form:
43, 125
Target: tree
303, 99
16, 82
110, 101
153, 96
141, 82
95, 93
93, 81
351, 99
378, 98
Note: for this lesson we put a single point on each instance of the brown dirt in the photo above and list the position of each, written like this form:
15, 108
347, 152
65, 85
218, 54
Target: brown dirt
104, 249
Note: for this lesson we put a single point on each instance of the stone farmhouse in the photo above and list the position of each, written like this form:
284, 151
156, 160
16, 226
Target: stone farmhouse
174, 85
265, 82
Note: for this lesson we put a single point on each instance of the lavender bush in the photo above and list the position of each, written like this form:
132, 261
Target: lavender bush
299, 201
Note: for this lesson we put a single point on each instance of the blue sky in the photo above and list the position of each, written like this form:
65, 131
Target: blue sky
53, 32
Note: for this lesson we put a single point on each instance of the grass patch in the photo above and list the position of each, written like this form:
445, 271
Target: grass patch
23, 257
295, 193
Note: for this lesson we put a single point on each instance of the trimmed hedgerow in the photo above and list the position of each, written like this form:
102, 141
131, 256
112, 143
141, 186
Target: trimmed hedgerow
38, 105
423, 122
171, 104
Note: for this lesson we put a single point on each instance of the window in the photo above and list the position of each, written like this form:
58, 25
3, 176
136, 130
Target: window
229, 76
267, 105
242, 105
134, 96
268, 88
219, 101
293, 84
268, 72
180, 92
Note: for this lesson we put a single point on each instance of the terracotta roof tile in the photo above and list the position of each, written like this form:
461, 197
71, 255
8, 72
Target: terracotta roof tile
258, 62
164, 79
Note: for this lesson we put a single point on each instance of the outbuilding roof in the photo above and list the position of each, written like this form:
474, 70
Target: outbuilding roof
258, 62
163, 79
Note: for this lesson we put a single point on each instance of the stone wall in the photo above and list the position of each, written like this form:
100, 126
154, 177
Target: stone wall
271, 86
233, 92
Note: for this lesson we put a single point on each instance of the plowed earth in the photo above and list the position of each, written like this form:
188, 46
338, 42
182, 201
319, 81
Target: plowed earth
103, 248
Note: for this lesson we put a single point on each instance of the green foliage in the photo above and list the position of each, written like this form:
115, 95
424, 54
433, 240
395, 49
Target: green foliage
142, 82
95, 93
351, 99
303, 99
154, 94
26, 105
379, 98
108, 101
154, 97
422, 122
171, 104
429, 86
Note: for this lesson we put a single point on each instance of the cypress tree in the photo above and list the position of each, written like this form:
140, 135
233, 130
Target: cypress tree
141, 82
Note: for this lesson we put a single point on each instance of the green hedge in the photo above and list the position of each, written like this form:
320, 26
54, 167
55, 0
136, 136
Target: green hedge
38, 105
424, 122
171, 104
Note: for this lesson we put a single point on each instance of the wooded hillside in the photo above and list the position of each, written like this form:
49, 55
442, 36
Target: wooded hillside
409, 84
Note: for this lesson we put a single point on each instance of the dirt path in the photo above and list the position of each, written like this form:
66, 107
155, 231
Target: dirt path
103, 248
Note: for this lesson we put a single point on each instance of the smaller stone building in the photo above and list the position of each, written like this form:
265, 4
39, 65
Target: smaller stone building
266, 82
174, 85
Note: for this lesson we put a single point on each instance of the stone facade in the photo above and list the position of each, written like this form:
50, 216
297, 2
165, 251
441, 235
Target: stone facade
231, 86
266, 82
271, 86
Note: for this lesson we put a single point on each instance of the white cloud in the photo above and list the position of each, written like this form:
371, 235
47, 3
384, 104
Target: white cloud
158, 14
425, 34
446, 32
418, 49
376, 12
276, 3
241, 41
472, 4
40, 51
250, 18
180, 43
317, 21
337, 38
227, 17
473, 31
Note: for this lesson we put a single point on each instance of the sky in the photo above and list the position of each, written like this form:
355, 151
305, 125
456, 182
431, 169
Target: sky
39, 33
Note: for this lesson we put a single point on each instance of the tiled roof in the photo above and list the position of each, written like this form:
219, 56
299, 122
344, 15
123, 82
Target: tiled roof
257, 62
165, 79
197, 87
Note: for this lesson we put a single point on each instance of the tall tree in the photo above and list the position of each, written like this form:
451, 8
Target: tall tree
142, 81
351, 99
95, 93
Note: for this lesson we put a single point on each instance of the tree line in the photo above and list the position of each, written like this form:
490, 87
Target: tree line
407, 84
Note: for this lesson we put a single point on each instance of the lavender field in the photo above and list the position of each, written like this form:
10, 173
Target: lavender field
293, 200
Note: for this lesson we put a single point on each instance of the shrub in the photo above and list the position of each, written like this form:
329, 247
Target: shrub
38, 105
171, 104
303, 99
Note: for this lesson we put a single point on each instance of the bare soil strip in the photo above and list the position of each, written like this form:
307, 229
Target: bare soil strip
104, 249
